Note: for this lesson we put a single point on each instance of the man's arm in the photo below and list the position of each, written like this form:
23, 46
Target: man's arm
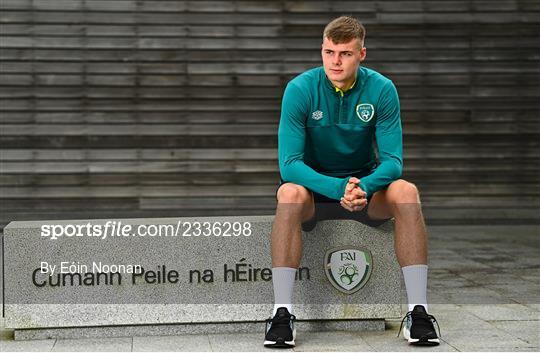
291, 143
389, 140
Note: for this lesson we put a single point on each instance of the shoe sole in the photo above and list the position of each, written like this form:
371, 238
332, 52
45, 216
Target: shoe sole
418, 341
275, 344
281, 344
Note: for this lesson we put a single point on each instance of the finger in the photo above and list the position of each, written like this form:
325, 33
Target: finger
359, 192
359, 202
345, 206
355, 194
348, 204
347, 197
350, 197
354, 180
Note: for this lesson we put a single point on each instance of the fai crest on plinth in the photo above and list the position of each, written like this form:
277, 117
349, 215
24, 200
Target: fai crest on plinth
348, 269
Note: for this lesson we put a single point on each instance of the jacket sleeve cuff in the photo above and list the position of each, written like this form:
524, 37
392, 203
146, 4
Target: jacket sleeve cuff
341, 189
366, 188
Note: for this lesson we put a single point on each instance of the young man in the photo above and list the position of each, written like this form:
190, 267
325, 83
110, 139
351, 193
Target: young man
330, 118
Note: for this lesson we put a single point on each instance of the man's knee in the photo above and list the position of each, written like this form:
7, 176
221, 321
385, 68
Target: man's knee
293, 193
402, 191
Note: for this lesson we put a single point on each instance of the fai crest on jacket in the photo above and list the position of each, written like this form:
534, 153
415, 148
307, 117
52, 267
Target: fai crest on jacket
365, 111
348, 269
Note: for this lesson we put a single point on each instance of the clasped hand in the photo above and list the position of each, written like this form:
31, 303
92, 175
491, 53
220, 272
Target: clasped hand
354, 198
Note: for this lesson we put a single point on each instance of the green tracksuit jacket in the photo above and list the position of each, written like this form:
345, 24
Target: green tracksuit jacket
326, 136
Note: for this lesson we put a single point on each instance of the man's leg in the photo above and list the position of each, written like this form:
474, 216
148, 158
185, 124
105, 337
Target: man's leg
401, 200
295, 205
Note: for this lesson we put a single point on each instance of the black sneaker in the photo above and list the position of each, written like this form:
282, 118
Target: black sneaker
419, 329
280, 331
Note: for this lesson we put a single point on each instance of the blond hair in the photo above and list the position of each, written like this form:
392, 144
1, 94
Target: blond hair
344, 29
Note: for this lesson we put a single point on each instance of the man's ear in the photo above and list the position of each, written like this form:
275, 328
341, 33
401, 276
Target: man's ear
363, 53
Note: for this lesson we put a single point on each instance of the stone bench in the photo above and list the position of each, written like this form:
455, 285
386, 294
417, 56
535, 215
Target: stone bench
191, 282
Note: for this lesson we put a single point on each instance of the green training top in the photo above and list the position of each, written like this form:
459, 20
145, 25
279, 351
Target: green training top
326, 135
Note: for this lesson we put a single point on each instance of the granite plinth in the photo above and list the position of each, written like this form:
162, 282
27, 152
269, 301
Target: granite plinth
216, 279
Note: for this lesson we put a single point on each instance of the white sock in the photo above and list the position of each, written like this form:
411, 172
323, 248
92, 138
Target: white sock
283, 280
415, 277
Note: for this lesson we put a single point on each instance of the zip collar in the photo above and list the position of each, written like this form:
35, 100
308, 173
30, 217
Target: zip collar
342, 92
358, 83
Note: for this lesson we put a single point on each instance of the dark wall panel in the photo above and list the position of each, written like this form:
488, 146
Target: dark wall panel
132, 108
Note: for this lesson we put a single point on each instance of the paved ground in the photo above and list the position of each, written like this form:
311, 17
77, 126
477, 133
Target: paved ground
484, 291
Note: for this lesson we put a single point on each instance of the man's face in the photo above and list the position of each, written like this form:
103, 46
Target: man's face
341, 61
